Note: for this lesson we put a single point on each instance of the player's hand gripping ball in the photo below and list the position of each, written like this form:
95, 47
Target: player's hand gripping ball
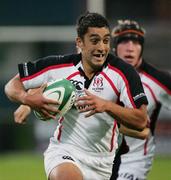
64, 92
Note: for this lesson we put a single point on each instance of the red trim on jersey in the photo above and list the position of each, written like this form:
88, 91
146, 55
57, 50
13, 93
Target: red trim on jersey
145, 147
113, 135
111, 83
60, 132
60, 128
46, 69
126, 83
72, 75
157, 82
151, 91
60, 120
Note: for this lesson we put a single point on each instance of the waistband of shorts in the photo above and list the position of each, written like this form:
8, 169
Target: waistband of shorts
78, 149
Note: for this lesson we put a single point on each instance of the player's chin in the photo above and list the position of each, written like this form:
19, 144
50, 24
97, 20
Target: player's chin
97, 66
98, 62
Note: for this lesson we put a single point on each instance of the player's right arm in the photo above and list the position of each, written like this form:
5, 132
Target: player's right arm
15, 91
34, 75
23, 111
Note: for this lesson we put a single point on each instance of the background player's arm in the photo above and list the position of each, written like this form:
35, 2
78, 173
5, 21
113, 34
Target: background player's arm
21, 114
133, 133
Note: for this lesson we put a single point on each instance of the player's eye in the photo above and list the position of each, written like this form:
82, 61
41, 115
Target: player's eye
106, 41
94, 40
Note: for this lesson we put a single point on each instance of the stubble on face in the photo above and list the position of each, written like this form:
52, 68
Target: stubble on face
95, 48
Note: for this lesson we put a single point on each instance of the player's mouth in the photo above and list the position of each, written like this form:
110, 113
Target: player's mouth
99, 56
129, 58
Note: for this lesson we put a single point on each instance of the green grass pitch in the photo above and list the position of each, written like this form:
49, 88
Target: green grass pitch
25, 166
29, 166
161, 168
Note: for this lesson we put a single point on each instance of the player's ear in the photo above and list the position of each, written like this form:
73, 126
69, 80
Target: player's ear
79, 42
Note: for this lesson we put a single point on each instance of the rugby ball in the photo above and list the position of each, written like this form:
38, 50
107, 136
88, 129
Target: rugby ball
64, 92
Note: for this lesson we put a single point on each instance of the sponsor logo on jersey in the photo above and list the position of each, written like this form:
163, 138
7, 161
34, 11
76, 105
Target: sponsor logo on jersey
67, 157
78, 84
128, 176
98, 84
138, 96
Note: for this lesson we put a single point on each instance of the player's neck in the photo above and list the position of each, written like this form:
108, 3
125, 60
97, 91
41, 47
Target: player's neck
88, 70
137, 66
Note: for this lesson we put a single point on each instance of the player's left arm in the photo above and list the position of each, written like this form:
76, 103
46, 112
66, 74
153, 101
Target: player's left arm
135, 118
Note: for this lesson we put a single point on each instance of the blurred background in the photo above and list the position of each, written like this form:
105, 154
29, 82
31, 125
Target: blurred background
33, 29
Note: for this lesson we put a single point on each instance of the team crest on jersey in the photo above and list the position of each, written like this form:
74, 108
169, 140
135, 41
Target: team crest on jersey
98, 84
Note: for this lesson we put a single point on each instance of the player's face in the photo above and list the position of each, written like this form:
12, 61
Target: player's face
95, 47
129, 51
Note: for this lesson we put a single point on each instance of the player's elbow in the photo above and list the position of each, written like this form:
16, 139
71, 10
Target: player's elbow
140, 122
144, 134
10, 88
7, 90
142, 118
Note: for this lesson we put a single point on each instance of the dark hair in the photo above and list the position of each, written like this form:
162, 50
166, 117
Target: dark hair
90, 20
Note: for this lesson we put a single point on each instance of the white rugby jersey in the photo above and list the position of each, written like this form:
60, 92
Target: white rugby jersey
157, 87
116, 81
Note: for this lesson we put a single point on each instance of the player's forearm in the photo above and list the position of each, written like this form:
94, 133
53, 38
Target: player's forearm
131, 118
133, 133
15, 90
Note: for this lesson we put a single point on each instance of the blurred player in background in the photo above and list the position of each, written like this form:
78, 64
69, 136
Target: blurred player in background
128, 42
85, 141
